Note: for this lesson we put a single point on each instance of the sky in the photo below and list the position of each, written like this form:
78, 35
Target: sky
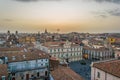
93, 16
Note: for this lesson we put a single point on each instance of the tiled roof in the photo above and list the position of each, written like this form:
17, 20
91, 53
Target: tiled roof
3, 70
51, 44
96, 41
117, 51
117, 39
65, 73
53, 58
96, 49
12, 49
111, 67
25, 56
58, 44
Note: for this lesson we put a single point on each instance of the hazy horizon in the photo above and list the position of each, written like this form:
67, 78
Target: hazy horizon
85, 16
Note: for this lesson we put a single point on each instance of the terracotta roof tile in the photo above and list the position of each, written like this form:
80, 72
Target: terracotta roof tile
57, 44
12, 49
3, 70
96, 49
25, 56
65, 73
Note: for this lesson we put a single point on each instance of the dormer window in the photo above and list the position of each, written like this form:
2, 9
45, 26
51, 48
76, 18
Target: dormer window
25, 50
39, 54
24, 56
13, 58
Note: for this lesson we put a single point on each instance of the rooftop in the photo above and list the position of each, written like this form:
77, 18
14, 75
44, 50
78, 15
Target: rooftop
12, 49
59, 44
111, 67
3, 70
96, 49
65, 73
25, 56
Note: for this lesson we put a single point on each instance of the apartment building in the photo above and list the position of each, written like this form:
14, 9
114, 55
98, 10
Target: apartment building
97, 53
26, 65
64, 51
105, 70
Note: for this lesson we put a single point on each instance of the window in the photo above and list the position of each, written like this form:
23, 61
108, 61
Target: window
58, 50
24, 56
32, 76
38, 74
46, 73
77, 49
13, 74
3, 77
46, 64
98, 74
22, 76
61, 55
54, 50
13, 67
13, 58
66, 55
62, 49
50, 50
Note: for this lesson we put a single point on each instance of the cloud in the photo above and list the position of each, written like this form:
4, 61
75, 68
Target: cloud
99, 14
115, 12
7, 20
103, 16
110, 1
103, 1
107, 13
26, 0
34, 0
98, 1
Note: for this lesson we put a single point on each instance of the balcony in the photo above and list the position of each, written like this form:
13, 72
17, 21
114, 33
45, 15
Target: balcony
25, 68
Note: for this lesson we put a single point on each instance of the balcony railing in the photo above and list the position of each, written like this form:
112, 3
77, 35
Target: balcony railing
26, 68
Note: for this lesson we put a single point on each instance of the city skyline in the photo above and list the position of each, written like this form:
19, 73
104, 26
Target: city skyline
67, 15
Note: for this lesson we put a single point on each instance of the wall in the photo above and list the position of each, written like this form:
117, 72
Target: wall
27, 65
103, 75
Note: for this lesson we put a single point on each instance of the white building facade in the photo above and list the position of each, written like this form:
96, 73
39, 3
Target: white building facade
98, 53
26, 70
63, 50
26, 66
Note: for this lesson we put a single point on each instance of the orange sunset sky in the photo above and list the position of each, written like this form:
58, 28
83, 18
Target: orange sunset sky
66, 15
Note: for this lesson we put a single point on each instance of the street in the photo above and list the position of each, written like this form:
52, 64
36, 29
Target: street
83, 69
